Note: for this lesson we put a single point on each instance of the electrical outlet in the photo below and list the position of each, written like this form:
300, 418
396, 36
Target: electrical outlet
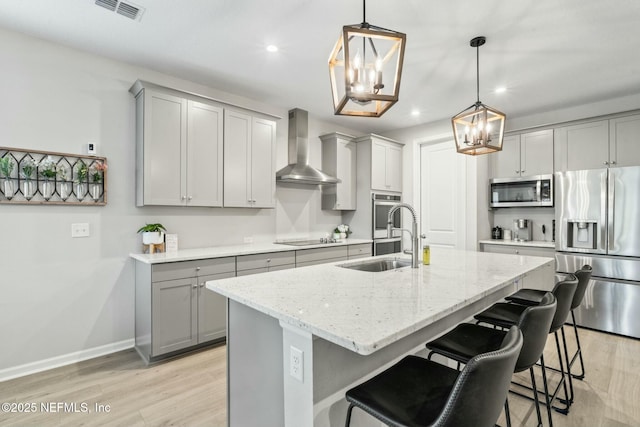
296, 363
248, 239
80, 229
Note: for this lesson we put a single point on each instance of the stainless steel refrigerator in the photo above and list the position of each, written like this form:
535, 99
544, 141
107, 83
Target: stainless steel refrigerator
598, 223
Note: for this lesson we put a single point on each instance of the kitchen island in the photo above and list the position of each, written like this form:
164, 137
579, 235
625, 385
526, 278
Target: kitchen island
298, 339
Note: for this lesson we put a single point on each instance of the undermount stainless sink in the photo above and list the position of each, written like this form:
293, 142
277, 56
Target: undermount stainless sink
378, 265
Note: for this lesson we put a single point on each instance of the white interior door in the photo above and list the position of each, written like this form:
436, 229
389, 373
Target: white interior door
442, 195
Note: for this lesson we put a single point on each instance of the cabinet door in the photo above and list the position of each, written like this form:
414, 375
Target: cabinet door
204, 154
506, 163
212, 310
587, 145
262, 170
378, 166
346, 172
164, 151
536, 153
173, 315
624, 141
393, 168
237, 134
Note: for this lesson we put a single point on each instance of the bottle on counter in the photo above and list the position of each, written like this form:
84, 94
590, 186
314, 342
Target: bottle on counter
426, 255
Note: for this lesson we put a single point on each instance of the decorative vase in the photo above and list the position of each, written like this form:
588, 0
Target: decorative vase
47, 189
65, 190
152, 237
81, 190
95, 191
343, 235
336, 236
27, 189
7, 188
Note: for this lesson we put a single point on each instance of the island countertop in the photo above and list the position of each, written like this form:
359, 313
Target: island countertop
364, 311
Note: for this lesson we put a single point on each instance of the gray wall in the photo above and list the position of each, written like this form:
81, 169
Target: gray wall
62, 295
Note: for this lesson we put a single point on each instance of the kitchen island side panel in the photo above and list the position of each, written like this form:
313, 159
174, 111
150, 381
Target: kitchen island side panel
254, 368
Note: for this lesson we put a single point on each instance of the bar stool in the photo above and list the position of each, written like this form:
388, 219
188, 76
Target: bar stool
532, 296
507, 314
420, 392
466, 340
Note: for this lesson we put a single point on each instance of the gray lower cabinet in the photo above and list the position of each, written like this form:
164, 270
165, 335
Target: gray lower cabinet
174, 311
263, 263
519, 250
306, 257
363, 250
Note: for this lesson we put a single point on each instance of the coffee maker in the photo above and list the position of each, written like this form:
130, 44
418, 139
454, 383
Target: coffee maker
522, 230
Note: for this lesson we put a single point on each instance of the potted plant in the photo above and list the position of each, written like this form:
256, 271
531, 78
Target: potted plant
96, 172
6, 167
47, 169
152, 234
63, 175
28, 167
82, 172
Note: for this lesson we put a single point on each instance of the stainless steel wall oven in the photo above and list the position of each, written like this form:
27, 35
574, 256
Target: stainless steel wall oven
382, 204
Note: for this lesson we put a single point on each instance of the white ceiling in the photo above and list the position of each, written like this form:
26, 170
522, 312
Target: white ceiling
548, 53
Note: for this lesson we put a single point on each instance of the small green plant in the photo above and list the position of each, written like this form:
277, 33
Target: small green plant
63, 173
97, 171
48, 168
150, 228
82, 171
28, 166
6, 166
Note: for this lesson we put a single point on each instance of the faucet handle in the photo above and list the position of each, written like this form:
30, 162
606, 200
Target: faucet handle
423, 236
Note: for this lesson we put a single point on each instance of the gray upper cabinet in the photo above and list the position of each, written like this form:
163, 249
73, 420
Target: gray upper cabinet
526, 154
178, 148
339, 160
249, 159
599, 144
380, 163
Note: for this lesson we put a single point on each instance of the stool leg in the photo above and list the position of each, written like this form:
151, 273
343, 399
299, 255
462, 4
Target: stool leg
563, 379
566, 359
507, 414
579, 352
348, 421
535, 396
546, 389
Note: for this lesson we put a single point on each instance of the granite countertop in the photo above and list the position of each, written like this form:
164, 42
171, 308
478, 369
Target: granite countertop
531, 243
364, 311
235, 250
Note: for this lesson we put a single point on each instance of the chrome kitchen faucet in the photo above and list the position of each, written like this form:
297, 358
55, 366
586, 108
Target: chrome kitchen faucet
415, 239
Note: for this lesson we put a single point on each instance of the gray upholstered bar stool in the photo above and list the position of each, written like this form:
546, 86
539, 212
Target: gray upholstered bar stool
532, 296
420, 392
466, 340
507, 314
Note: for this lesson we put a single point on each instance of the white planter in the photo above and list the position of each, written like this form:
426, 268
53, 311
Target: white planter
152, 237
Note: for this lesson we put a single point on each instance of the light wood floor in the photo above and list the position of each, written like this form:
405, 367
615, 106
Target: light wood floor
190, 391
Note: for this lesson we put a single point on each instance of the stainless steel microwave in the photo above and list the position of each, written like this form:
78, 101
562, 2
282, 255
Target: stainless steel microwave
524, 191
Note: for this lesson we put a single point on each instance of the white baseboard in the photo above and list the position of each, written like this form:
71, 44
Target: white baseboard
65, 359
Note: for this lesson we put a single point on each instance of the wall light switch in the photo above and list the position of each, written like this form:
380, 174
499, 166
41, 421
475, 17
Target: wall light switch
92, 148
80, 229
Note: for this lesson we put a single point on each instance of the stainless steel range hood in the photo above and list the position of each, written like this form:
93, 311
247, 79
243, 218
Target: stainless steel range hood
298, 170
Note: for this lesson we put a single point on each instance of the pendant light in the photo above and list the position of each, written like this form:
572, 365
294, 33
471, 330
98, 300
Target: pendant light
478, 129
365, 68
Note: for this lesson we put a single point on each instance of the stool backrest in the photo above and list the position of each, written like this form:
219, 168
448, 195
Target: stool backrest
535, 323
564, 291
583, 275
482, 386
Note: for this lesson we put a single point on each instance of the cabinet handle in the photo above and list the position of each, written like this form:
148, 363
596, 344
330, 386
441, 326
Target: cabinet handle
190, 197
195, 286
197, 268
517, 251
606, 163
202, 285
268, 259
517, 171
183, 198
613, 162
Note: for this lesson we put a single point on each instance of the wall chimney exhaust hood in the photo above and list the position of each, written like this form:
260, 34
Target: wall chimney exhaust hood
298, 170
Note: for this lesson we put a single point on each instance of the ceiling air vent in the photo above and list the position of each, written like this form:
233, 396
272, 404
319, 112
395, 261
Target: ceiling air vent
127, 9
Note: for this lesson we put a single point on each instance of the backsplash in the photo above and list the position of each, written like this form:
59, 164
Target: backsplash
539, 216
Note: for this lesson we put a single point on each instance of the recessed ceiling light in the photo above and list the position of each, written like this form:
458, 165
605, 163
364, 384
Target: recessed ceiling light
272, 48
415, 113
500, 89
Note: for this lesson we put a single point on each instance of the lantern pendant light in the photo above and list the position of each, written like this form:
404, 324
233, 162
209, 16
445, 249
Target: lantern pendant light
365, 67
478, 129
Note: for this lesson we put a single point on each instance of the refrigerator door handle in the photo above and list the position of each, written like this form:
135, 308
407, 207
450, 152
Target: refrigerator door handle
612, 206
603, 211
